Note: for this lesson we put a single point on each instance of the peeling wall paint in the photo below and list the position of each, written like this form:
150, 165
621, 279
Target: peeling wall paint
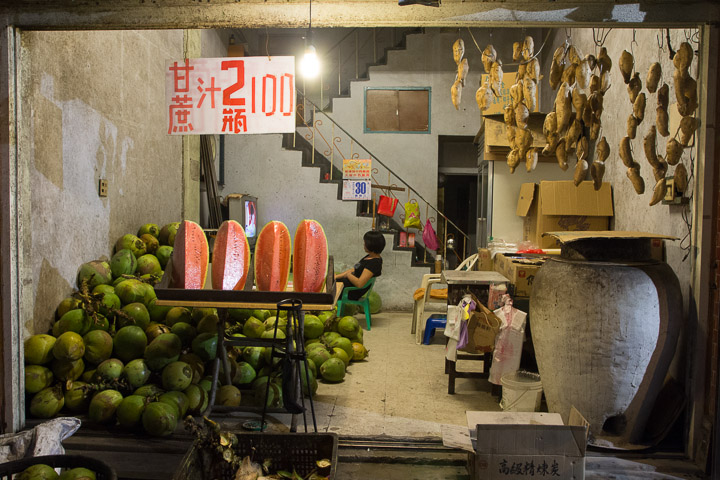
93, 105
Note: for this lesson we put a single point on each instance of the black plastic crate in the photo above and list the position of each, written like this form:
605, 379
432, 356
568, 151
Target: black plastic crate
66, 462
288, 451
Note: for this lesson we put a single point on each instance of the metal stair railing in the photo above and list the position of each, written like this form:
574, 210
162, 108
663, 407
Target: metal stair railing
331, 140
352, 48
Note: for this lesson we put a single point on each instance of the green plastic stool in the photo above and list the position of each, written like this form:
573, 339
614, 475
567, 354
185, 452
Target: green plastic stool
363, 301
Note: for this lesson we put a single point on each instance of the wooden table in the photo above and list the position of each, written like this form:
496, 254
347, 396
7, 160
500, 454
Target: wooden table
478, 283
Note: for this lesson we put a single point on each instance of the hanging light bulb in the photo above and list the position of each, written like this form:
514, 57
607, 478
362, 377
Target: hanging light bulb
310, 64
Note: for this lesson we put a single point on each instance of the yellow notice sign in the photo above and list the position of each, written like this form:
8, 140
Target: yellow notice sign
357, 168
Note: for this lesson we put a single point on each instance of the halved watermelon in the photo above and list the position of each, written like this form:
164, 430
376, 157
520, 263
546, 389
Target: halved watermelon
231, 257
190, 257
272, 257
310, 257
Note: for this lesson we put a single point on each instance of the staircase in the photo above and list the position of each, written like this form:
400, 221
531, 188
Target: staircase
330, 174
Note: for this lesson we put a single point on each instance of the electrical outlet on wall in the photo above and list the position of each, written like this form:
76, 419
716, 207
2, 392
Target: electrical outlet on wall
103, 188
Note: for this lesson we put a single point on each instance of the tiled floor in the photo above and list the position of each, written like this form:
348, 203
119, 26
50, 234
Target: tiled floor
401, 390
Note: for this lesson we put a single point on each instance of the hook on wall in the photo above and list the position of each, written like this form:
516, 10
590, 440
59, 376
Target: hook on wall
660, 41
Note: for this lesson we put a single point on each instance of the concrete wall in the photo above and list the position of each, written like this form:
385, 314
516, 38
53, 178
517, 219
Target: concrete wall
426, 62
632, 211
93, 107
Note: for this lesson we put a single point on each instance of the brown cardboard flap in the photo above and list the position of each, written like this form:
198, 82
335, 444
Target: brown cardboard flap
527, 194
567, 237
564, 198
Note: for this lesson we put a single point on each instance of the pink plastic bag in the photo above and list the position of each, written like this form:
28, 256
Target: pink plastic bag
429, 237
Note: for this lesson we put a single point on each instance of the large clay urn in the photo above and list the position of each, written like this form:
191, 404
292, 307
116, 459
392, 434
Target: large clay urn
605, 320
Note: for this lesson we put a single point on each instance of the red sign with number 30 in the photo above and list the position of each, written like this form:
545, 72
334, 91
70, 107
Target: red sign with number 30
230, 95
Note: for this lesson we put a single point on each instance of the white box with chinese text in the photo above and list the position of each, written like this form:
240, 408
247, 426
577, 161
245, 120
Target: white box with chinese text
528, 447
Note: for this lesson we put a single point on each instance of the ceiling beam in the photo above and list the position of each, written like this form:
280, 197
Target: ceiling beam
145, 14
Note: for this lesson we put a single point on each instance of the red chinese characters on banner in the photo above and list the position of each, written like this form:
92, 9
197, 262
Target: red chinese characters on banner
231, 95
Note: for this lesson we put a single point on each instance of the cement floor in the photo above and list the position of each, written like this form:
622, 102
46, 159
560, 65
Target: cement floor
401, 389
397, 397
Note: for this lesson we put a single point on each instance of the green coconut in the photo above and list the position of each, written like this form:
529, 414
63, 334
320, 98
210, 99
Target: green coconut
205, 346
148, 264
348, 327
149, 229
151, 243
98, 346
67, 304
103, 406
177, 376
39, 471
67, 370
47, 402
39, 349
130, 343
163, 350
73, 321
129, 412
159, 419
136, 373
77, 397
79, 473
178, 314
69, 346
163, 254
123, 262
110, 369
94, 273
167, 233
132, 243
197, 399
333, 370
135, 314
37, 378
314, 327
229, 396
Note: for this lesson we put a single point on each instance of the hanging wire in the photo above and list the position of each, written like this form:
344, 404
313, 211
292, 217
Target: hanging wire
660, 41
600, 36
267, 42
517, 63
686, 214
632, 49
474, 41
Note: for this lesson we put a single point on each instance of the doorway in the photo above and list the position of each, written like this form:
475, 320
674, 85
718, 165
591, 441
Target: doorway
457, 195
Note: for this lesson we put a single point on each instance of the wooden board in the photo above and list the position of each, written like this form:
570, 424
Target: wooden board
497, 146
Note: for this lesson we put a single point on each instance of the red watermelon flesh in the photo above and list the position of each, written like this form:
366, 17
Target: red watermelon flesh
310, 257
272, 257
231, 257
190, 257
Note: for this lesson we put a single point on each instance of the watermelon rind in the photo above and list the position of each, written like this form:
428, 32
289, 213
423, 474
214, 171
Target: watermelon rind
272, 257
310, 265
231, 257
190, 257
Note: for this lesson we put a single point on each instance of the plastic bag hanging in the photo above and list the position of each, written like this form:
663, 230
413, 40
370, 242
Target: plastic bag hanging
412, 215
429, 236
386, 206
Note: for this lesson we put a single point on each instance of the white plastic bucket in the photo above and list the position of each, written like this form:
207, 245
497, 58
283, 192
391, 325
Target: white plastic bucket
522, 392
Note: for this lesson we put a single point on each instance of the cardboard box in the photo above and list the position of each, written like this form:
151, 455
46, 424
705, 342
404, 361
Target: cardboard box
561, 206
515, 445
485, 260
519, 269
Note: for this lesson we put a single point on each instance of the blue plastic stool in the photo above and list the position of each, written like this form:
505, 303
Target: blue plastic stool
436, 320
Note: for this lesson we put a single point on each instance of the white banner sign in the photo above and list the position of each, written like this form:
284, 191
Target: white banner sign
230, 95
356, 190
